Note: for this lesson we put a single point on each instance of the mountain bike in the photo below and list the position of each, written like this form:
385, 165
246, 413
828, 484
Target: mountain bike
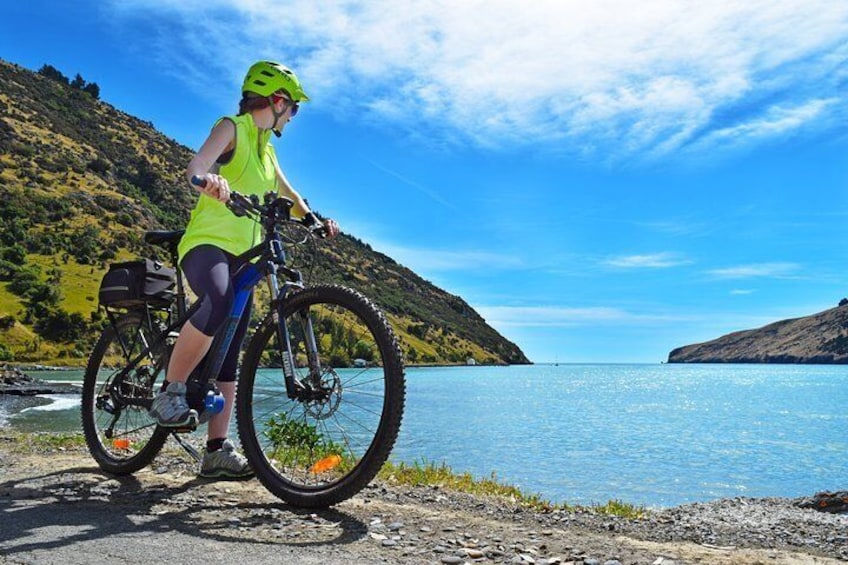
321, 386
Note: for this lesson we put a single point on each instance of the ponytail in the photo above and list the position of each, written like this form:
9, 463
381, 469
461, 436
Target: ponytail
251, 101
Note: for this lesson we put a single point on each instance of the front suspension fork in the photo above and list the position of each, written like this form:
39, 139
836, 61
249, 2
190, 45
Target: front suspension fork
294, 388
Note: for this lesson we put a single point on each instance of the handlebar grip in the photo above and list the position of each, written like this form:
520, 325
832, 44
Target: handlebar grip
234, 203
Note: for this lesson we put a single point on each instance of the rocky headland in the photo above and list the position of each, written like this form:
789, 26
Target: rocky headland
820, 338
15, 382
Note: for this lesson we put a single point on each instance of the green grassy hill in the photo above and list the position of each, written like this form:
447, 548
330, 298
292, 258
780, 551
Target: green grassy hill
80, 181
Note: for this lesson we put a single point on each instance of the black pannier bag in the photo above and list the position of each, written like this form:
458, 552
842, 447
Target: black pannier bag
131, 284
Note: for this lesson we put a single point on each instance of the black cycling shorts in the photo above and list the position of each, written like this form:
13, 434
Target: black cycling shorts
209, 271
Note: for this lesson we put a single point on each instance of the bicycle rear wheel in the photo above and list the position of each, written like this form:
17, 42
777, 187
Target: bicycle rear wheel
120, 435
323, 448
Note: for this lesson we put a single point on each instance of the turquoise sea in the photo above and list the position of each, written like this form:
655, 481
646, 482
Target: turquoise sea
657, 435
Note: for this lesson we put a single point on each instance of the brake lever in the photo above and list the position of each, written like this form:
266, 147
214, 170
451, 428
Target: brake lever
320, 231
237, 204
314, 225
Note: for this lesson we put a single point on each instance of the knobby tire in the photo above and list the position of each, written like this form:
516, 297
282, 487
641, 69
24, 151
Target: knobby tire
136, 439
352, 430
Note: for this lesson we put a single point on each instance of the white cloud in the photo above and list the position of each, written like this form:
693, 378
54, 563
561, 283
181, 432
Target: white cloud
711, 323
756, 270
423, 260
505, 316
741, 291
561, 316
597, 78
651, 261
775, 121
678, 227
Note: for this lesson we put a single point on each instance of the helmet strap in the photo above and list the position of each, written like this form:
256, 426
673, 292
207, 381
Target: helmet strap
277, 116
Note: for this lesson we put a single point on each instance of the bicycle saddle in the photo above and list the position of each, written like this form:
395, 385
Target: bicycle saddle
163, 237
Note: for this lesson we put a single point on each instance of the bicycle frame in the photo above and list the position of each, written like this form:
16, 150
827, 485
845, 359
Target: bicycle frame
270, 261
247, 276
315, 444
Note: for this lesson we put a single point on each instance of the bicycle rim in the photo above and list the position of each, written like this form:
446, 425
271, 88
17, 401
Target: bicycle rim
320, 451
120, 435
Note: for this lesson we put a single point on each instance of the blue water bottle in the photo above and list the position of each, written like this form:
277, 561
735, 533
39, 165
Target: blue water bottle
213, 403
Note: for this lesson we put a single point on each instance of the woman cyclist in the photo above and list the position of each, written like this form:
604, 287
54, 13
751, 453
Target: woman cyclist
237, 155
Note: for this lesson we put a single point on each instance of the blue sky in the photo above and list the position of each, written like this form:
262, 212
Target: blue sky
602, 183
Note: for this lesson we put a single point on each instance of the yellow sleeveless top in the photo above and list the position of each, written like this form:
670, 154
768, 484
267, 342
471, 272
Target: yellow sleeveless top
250, 170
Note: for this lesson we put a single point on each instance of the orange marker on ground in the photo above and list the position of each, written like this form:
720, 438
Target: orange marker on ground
325, 464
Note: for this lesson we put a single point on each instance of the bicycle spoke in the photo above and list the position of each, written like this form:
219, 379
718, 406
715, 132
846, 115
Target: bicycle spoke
363, 393
119, 433
347, 384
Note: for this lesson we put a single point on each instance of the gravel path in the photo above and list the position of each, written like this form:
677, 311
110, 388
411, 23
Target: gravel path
57, 506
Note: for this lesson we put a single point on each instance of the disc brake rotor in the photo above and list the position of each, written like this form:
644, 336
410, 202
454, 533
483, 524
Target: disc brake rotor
323, 408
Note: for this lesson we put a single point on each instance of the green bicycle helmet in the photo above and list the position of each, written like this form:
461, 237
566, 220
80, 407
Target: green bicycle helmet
267, 77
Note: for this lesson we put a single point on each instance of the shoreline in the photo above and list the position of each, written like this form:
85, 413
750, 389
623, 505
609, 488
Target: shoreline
53, 483
13, 381
37, 367
626, 460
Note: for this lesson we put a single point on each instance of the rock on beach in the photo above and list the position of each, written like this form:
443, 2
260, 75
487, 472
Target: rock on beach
16, 382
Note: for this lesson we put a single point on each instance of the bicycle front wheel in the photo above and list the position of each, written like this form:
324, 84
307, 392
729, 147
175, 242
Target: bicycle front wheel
326, 445
120, 435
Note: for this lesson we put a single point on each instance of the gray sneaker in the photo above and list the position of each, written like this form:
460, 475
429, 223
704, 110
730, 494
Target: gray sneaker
170, 410
226, 463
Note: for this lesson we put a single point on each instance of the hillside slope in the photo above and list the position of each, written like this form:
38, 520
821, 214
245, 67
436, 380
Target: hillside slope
79, 183
819, 338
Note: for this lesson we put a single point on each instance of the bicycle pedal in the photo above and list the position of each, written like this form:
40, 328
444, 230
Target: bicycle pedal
183, 429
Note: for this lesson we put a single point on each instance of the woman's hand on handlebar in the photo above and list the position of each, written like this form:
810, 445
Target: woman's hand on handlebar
213, 185
331, 228
328, 228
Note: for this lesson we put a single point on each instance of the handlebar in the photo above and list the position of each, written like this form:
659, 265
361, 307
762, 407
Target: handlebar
274, 208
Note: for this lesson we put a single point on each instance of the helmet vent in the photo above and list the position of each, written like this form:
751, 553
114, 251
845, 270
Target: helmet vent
258, 82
